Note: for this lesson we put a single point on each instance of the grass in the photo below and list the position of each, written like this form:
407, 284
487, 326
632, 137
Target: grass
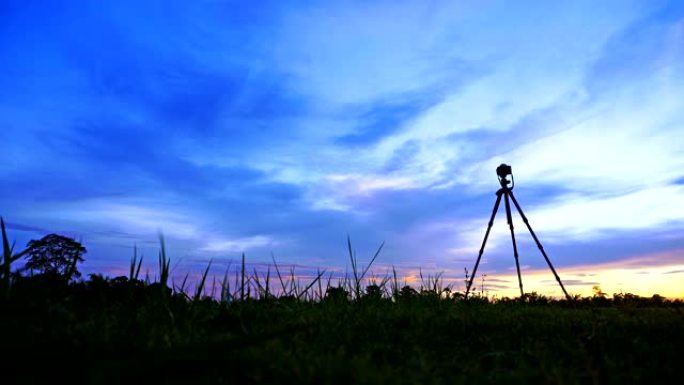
356, 329
8, 257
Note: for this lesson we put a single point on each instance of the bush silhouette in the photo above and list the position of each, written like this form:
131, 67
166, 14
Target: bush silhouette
336, 294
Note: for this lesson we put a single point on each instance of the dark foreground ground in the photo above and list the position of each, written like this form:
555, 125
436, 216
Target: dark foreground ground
120, 331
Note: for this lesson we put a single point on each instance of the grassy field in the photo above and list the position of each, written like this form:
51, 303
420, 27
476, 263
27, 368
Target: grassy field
107, 331
128, 330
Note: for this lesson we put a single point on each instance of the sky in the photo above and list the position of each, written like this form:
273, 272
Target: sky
282, 128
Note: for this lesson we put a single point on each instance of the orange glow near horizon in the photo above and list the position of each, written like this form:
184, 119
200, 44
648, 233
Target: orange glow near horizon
645, 275
661, 273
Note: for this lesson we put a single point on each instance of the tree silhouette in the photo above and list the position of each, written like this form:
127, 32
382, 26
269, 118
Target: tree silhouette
55, 254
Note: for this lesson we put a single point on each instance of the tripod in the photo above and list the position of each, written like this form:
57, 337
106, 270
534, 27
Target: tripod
507, 193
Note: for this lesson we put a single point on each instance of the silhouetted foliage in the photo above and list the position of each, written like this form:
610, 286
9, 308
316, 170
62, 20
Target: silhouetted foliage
408, 292
535, 298
121, 329
55, 254
373, 292
336, 294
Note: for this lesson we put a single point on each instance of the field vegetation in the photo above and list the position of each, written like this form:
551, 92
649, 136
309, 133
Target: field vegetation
271, 327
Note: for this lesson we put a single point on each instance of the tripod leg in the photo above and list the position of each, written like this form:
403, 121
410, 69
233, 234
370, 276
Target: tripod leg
489, 228
509, 217
539, 245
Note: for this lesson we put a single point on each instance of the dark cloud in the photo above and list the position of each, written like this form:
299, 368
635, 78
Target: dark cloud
613, 246
28, 228
641, 44
402, 156
488, 286
497, 280
384, 117
409, 207
387, 115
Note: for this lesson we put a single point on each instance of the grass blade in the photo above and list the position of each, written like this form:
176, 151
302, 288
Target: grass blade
317, 279
242, 279
6, 260
373, 260
164, 262
200, 287
280, 277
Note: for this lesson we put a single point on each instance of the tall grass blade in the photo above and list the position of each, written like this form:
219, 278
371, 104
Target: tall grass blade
257, 281
6, 260
181, 289
317, 279
268, 279
280, 277
422, 281
164, 264
373, 260
200, 287
137, 270
320, 286
237, 284
294, 285
131, 271
242, 279
352, 257
395, 283
6, 249
136, 265
225, 286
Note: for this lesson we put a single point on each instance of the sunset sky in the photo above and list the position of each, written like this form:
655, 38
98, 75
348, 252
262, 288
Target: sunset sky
282, 127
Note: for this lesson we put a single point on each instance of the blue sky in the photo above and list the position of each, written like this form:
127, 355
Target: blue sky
284, 126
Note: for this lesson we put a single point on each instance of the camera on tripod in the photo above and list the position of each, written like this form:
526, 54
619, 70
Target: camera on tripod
505, 192
502, 172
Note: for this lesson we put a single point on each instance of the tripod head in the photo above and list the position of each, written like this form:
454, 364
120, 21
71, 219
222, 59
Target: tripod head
502, 172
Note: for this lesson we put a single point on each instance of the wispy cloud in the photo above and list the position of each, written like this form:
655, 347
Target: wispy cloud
237, 245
